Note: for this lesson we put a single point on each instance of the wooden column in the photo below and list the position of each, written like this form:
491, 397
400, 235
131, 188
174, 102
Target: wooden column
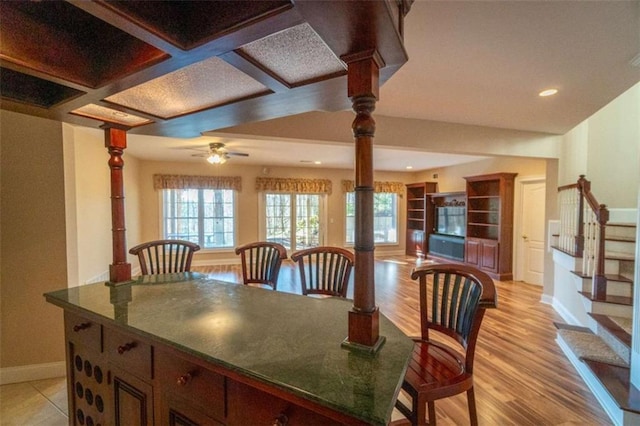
115, 140
362, 89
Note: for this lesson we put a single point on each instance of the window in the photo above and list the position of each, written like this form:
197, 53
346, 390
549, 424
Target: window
202, 216
385, 217
288, 215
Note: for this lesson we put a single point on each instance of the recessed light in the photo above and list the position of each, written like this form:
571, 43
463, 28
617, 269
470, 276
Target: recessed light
548, 92
317, 162
409, 167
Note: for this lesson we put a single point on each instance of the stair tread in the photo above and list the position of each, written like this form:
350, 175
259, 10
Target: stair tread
622, 224
589, 346
565, 326
612, 325
616, 380
617, 300
609, 277
618, 255
620, 238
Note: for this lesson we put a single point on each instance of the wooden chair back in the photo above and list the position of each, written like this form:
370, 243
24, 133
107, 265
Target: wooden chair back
453, 299
324, 270
165, 256
261, 262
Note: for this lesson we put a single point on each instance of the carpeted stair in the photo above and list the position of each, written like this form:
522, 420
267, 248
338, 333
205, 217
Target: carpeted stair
588, 346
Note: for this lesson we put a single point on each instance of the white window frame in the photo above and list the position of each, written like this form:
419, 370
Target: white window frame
382, 243
322, 214
230, 248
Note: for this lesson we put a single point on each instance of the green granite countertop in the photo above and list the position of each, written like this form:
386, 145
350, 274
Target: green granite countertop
286, 340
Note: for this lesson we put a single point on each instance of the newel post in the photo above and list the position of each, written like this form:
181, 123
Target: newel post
115, 140
363, 71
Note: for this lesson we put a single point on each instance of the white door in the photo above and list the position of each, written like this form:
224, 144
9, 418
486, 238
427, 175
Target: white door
532, 238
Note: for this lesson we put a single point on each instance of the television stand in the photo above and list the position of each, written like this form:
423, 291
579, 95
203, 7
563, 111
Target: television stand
446, 247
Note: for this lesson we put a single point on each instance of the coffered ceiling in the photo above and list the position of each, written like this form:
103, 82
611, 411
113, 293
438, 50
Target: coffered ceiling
178, 69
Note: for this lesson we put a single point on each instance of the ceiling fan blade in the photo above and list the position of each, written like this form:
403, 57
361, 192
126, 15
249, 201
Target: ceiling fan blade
204, 154
238, 154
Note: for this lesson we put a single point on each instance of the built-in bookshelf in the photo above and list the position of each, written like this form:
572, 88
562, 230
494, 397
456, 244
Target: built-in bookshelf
418, 218
489, 239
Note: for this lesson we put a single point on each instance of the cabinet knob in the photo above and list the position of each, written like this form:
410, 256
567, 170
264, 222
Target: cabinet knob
126, 347
281, 420
81, 326
184, 379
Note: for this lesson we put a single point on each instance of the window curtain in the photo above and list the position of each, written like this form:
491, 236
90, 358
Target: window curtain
301, 186
197, 182
396, 187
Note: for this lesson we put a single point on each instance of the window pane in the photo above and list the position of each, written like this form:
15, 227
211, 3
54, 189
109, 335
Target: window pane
351, 217
385, 217
203, 216
307, 221
278, 218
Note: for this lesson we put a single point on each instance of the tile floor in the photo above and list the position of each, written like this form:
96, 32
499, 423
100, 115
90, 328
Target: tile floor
37, 403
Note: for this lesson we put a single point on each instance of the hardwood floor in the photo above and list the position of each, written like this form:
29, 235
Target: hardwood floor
521, 375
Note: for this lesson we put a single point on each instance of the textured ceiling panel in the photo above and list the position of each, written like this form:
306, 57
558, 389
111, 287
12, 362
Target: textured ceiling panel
196, 87
110, 115
295, 55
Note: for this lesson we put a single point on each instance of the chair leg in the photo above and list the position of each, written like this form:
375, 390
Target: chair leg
432, 413
418, 412
471, 400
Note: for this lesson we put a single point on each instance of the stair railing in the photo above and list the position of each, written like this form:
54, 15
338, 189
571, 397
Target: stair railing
582, 231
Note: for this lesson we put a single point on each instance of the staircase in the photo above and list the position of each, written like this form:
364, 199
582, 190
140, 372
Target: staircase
600, 349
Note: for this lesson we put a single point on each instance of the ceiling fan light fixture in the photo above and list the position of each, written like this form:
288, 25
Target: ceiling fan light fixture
215, 158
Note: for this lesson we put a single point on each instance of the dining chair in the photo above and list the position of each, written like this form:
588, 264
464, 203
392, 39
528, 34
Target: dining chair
261, 262
165, 256
453, 299
324, 270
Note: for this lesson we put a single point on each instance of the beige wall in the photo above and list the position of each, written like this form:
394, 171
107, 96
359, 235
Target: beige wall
451, 179
89, 204
33, 250
247, 205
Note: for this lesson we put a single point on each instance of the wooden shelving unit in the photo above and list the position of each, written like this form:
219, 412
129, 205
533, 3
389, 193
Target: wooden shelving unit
418, 219
489, 242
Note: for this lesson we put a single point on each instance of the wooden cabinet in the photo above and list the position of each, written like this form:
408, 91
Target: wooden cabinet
119, 378
489, 241
418, 219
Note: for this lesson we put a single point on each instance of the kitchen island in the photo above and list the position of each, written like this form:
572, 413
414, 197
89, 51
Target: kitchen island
185, 349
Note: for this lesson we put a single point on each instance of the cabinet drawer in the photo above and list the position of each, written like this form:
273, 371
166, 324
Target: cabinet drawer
250, 406
182, 380
83, 332
128, 352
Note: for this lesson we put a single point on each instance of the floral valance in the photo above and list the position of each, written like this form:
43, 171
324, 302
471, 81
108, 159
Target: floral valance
305, 186
197, 182
397, 187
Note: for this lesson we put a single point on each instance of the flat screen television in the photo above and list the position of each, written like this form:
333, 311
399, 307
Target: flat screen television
451, 220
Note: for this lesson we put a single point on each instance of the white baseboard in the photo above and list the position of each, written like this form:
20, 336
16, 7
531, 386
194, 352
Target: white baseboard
27, 373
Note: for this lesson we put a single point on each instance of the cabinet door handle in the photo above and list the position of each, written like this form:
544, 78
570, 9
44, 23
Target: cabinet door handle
126, 347
184, 379
82, 326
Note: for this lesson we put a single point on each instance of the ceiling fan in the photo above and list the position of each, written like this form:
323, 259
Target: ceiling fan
218, 154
